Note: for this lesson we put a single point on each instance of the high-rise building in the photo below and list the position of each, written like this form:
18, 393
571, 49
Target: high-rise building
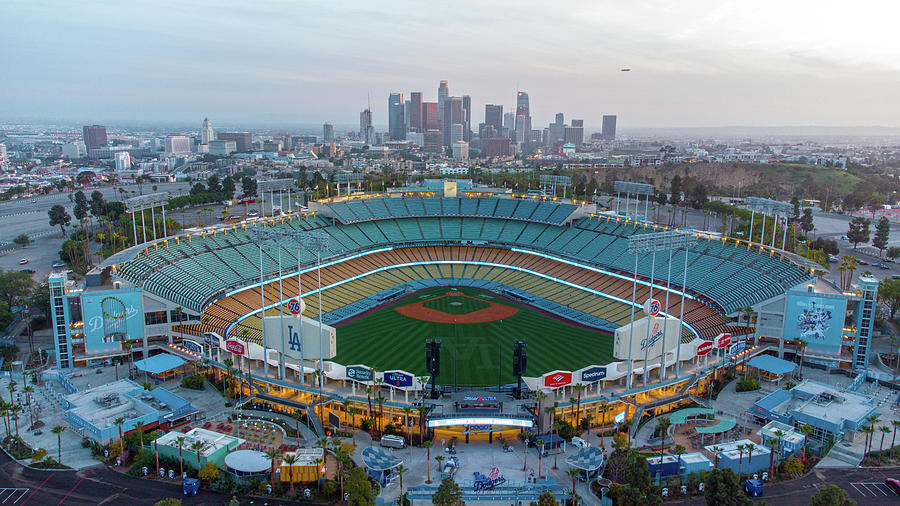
178, 144
453, 114
457, 132
3, 153
467, 118
443, 93
430, 118
575, 133
509, 123
94, 136
222, 148
493, 116
460, 150
523, 118
609, 128
206, 132
556, 131
328, 132
433, 142
243, 140
415, 112
365, 126
495, 147
396, 124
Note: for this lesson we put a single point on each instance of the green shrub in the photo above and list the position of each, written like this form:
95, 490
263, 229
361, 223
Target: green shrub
194, 382
747, 384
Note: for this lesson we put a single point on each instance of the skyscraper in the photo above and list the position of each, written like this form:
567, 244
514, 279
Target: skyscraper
609, 128
509, 123
396, 125
523, 118
430, 118
365, 126
328, 132
94, 136
575, 133
243, 140
493, 115
415, 111
206, 132
443, 93
453, 114
467, 118
557, 130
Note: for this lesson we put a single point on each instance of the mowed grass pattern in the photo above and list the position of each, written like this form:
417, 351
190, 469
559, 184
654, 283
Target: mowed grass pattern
470, 353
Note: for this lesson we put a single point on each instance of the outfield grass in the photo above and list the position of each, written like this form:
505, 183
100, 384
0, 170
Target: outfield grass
388, 340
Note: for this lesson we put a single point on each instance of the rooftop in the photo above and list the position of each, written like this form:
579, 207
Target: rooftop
306, 456
158, 364
731, 451
788, 434
212, 441
101, 405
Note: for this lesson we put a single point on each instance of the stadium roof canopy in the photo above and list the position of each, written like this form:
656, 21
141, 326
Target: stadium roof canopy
158, 364
724, 425
681, 415
772, 364
378, 459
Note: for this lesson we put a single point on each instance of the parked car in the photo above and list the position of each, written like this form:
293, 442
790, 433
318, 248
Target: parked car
29, 271
893, 484
392, 441
577, 442
881, 266
57, 264
861, 261
23, 261
753, 488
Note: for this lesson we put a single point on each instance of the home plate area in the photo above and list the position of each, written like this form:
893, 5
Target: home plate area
457, 307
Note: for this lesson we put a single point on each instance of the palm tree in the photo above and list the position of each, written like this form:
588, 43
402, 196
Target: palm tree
526, 436
556, 426
895, 424
773, 446
118, 423
180, 441
400, 470
427, 445
716, 451
802, 345
380, 401
290, 459
806, 429
749, 447
422, 410
406, 411
579, 389
4, 412
28, 390
197, 446
58, 430
369, 391
740, 449
540, 396
872, 419
273, 454
573, 473
297, 415
229, 365
589, 418
663, 425
12, 388
679, 449
884, 430
353, 411
869, 432
140, 428
439, 459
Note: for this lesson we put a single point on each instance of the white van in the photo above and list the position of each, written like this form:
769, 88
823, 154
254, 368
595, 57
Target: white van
393, 441
577, 442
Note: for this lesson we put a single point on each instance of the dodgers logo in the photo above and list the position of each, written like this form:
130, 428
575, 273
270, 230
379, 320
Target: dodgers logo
294, 339
655, 336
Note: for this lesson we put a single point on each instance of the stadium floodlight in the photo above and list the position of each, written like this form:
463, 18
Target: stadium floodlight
554, 181
140, 204
636, 189
668, 240
318, 242
345, 178
271, 186
769, 206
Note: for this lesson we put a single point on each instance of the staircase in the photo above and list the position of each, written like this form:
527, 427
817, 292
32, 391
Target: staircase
845, 455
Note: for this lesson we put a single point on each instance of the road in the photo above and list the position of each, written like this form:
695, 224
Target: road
94, 486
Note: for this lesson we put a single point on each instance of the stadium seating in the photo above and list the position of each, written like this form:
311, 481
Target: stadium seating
193, 272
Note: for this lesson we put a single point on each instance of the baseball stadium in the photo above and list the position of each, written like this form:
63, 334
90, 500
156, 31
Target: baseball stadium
446, 308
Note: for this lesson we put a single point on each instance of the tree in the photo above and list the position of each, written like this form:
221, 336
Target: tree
793, 466
675, 192
889, 294
139, 426
359, 488
118, 423
679, 450
526, 436
22, 240
447, 494
663, 425
228, 187
545, 499
859, 231
724, 489
882, 235
806, 221
59, 216
832, 495
248, 186
58, 430
213, 184
894, 424
210, 472
197, 446
884, 431
427, 445
290, 459
14, 285
893, 252
573, 473
180, 440
400, 470
273, 455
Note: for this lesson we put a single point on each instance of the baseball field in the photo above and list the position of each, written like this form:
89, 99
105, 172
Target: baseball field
477, 329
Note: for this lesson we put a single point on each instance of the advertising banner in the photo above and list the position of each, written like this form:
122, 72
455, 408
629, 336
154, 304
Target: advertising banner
817, 320
398, 379
639, 341
360, 373
557, 379
297, 342
593, 374
235, 347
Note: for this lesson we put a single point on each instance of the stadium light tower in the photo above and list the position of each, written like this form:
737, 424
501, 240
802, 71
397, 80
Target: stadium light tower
653, 242
272, 186
140, 204
637, 189
347, 178
766, 206
551, 181
318, 241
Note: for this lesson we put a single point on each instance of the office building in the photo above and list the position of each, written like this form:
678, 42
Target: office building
493, 116
443, 93
178, 144
498, 146
509, 123
430, 118
222, 148
460, 150
243, 140
328, 132
94, 136
396, 124
415, 112
453, 114
467, 118
609, 128
72, 150
206, 132
3, 153
486, 131
366, 132
123, 161
556, 131
523, 118
433, 141
575, 134
457, 132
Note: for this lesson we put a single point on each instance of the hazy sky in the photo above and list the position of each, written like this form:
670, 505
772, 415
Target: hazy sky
694, 63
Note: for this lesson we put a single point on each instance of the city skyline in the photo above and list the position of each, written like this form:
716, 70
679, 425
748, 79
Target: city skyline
694, 64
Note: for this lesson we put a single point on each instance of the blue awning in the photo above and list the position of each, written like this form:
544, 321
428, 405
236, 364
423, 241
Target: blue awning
158, 364
772, 364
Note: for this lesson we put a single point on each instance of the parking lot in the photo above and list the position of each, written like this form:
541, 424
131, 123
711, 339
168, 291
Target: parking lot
870, 489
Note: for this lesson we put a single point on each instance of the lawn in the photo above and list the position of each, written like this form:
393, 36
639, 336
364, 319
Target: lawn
470, 353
